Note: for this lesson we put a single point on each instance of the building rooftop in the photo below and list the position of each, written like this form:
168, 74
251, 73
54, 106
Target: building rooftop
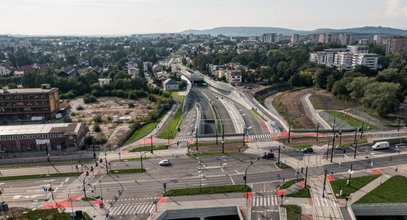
27, 91
171, 82
65, 128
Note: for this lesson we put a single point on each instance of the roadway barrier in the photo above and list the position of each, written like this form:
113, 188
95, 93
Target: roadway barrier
187, 94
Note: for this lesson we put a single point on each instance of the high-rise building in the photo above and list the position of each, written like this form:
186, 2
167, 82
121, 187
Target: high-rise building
295, 39
378, 39
346, 39
397, 45
358, 49
271, 38
365, 59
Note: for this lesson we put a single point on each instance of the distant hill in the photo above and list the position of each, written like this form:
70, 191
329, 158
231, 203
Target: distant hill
253, 31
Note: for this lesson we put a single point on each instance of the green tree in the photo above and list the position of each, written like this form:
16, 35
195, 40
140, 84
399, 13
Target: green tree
383, 97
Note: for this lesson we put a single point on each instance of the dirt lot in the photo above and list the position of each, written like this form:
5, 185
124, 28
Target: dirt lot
107, 108
322, 98
325, 100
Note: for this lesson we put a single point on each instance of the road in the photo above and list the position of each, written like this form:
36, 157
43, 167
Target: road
208, 125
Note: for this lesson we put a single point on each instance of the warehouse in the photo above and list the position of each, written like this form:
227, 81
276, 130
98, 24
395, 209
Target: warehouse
38, 137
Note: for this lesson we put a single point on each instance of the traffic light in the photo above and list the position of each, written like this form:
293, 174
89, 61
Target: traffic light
179, 129
101, 205
96, 164
91, 168
244, 177
100, 160
87, 173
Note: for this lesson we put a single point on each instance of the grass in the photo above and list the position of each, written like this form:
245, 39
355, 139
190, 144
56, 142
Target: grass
39, 176
316, 102
145, 129
258, 115
282, 110
350, 120
148, 148
283, 166
303, 193
47, 164
212, 153
351, 144
219, 126
51, 214
171, 129
177, 96
127, 171
88, 199
356, 184
293, 212
214, 143
391, 191
289, 183
374, 114
136, 158
208, 190
261, 101
301, 146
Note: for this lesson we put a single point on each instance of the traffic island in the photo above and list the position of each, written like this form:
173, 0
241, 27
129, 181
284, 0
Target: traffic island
341, 188
124, 171
289, 183
302, 193
283, 165
208, 190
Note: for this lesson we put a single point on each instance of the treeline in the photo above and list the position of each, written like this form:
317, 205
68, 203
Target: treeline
381, 90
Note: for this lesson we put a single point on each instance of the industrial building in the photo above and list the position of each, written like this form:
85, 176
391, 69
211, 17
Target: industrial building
39, 137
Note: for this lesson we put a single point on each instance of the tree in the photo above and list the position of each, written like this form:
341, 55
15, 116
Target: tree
97, 61
339, 88
358, 86
71, 59
383, 97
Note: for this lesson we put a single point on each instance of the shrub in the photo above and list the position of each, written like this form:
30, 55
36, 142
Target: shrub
131, 105
80, 108
98, 119
88, 98
96, 127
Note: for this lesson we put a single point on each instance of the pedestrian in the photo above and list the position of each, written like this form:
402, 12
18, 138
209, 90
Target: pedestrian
397, 169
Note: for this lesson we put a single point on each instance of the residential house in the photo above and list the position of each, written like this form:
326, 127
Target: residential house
171, 85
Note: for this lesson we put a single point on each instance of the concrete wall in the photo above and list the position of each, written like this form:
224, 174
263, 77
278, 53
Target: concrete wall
201, 213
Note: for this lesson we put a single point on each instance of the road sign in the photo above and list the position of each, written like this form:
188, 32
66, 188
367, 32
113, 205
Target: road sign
45, 189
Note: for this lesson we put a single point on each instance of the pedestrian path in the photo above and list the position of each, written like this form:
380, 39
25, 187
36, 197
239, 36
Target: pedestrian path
183, 140
261, 137
133, 199
265, 200
325, 202
132, 209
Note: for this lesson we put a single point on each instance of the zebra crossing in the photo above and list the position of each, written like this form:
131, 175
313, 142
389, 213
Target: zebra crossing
183, 140
261, 137
266, 200
324, 202
132, 209
264, 182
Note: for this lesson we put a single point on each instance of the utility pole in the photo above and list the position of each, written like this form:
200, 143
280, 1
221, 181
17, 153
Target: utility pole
196, 139
306, 177
289, 132
356, 133
216, 136
361, 130
398, 128
279, 150
327, 150
244, 134
107, 168
340, 137
223, 146
350, 174
94, 153
332, 150
151, 144
317, 132
323, 190
356, 149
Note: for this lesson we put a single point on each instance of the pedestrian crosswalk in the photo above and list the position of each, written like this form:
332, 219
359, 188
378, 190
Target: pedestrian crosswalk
183, 140
261, 137
264, 201
264, 182
132, 209
321, 202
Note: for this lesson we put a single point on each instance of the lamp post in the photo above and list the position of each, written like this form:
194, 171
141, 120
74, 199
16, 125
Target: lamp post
223, 146
83, 182
94, 153
245, 172
196, 139
350, 174
151, 144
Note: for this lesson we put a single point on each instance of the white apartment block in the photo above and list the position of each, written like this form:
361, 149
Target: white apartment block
271, 38
4, 70
346, 59
365, 59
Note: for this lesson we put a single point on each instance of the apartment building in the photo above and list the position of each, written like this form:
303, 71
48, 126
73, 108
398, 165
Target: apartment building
28, 104
397, 45
271, 38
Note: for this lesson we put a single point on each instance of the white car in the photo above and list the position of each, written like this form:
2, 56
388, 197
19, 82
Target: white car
381, 145
164, 163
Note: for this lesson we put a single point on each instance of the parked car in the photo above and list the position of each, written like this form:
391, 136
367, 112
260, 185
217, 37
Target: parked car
268, 155
164, 163
307, 150
381, 145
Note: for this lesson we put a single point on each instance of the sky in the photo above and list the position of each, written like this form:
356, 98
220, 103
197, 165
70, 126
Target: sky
117, 17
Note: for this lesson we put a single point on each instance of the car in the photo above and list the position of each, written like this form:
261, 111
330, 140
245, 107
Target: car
307, 150
269, 155
381, 145
164, 163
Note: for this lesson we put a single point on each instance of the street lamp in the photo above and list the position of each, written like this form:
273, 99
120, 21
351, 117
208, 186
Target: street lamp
223, 146
141, 159
83, 182
245, 172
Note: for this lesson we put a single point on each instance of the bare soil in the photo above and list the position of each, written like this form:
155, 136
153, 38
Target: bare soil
329, 102
107, 107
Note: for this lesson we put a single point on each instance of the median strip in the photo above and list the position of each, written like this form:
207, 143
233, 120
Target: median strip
127, 171
39, 176
208, 190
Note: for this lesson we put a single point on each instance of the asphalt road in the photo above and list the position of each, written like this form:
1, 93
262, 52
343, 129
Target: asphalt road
209, 127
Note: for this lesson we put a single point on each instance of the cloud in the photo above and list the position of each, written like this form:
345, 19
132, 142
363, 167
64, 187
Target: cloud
396, 8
